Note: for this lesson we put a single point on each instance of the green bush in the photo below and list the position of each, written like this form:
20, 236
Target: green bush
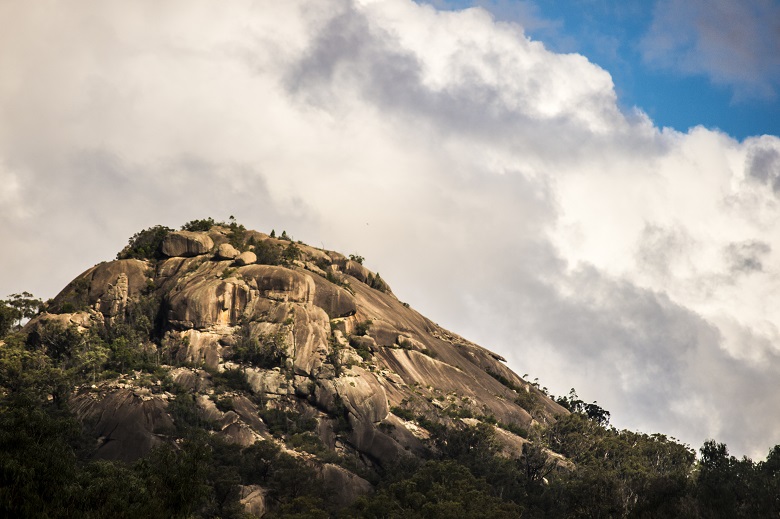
377, 283
362, 327
281, 422
230, 380
145, 244
402, 413
291, 253
267, 253
200, 225
265, 351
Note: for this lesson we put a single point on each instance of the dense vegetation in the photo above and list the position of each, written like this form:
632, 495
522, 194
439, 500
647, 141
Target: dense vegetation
45, 467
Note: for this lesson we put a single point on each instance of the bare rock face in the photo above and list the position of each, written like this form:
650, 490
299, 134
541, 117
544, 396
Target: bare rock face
113, 302
343, 486
199, 348
186, 244
203, 299
363, 396
106, 286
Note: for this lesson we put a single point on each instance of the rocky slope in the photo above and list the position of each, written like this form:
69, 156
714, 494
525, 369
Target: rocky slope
252, 328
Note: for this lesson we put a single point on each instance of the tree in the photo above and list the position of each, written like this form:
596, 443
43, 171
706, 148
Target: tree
592, 411
291, 253
200, 225
8, 316
16, 309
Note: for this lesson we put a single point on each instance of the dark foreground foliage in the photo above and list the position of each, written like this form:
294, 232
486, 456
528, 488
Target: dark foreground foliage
46, 469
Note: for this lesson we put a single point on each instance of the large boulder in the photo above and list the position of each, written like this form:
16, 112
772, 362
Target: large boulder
246, 258
253, 499
128, 423
226, 251
186, 244
362, 395
279, 283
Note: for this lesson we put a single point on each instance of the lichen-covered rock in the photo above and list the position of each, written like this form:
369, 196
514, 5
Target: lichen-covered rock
186, 244
362, 395
266, 382
355, 269
279, 283
81, 320
195, 380
310, 339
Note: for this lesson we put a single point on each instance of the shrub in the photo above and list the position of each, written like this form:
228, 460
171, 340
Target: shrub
231, 379
505, 381
186, 415
145, 244
265, 351
291, 253
281, 423
200, 225
362, 327
376, 282
402, 413
237, 235
267, 253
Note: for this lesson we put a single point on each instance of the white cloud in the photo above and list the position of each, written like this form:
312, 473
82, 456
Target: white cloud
494, 183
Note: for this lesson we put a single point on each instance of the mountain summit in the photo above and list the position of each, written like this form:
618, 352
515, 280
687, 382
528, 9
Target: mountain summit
313, 332
251, 330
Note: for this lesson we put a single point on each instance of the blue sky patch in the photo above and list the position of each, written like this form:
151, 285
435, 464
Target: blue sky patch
684, 63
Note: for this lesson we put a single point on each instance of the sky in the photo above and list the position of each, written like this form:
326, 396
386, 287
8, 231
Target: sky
588, 188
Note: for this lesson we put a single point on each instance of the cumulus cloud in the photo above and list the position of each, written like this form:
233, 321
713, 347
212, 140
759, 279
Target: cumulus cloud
494, 183
736, 44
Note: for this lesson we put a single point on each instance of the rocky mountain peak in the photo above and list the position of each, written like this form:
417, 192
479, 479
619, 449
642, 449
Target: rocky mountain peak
247, 327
